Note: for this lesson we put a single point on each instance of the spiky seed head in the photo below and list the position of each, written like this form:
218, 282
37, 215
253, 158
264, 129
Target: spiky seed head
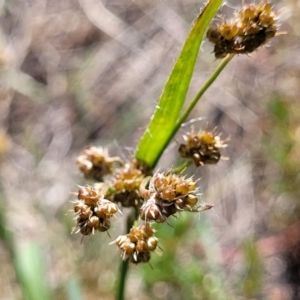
246, 33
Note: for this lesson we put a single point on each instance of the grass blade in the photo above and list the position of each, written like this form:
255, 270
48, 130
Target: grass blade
29, 263
161, 128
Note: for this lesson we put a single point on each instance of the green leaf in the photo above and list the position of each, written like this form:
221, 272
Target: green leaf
163, 123
29, 264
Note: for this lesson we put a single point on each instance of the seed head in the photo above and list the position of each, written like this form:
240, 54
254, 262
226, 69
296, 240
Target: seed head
203, 147
253, 26
167, 194
92, 210
137, 244
95, 163
126, 183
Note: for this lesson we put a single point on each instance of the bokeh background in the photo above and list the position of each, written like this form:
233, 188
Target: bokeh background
90, 72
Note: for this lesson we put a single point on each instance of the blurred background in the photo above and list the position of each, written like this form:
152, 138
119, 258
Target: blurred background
90, 72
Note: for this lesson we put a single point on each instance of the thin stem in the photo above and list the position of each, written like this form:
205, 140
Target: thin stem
203, 89
124, 263
123, 275
179, 169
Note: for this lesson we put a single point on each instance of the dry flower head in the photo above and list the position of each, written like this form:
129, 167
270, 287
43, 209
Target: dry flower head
253, 26
92, 210
203, 147
95, 163
166, 195
137, 244
126, 183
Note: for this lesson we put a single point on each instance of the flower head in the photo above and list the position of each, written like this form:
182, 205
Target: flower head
203, 147
126, 183
95, 163
253, 26
137, 244
167, 194
92, 210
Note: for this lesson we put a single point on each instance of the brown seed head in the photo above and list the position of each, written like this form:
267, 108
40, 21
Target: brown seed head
95, 163
137, 245
203, 148
126, 183
167, 194
92, 210
246, 33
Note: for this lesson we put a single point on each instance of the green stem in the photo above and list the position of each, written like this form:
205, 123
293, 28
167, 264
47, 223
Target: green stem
203, 89
192, 104
179, 169
123, 275
124, 263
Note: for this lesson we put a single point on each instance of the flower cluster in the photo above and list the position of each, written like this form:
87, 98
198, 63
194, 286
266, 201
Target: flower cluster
154, 198
93, 211
167, 194
126, 183
137, 244
253, 26
95, 163
203, 147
